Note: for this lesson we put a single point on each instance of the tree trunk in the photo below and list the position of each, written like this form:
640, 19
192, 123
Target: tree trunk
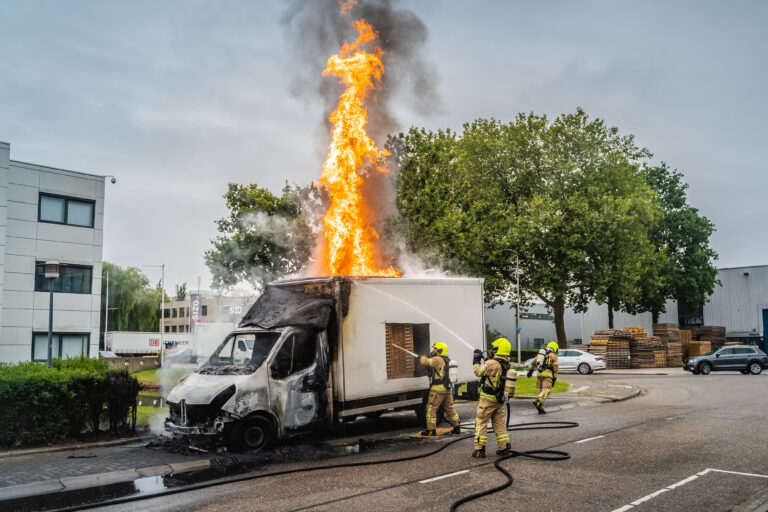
558, 307
655, 316
610, 308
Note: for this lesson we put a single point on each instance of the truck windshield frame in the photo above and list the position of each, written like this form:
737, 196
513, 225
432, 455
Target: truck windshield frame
241, 353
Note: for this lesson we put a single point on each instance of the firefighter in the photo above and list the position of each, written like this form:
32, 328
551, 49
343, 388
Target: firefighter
440, 391
490, 406
545, 364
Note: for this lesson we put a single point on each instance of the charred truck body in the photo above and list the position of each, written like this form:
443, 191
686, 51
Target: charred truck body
313, 352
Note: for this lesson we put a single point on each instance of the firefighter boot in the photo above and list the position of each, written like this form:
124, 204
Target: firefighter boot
456, 430
430, 432
504, 451
539, 407
479, 454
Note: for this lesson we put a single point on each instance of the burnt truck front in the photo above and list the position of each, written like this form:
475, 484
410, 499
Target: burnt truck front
268, 378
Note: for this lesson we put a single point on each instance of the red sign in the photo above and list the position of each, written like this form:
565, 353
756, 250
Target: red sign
154, 342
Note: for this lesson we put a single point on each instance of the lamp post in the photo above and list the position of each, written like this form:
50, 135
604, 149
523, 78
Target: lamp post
52, 270
162, 310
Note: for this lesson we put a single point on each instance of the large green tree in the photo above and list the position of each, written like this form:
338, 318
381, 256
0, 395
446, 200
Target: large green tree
134, 305
566, 198
264, 237
687, 274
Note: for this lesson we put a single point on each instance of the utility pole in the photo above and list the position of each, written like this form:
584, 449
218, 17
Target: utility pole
162, 310
517, 306
106, 314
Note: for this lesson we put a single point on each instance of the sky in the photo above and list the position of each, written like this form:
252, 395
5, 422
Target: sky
178, 98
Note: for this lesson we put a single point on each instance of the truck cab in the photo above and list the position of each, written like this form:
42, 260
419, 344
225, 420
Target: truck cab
258, 385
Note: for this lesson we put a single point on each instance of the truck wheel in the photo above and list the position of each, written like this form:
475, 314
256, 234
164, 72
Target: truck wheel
254, 434
373, 415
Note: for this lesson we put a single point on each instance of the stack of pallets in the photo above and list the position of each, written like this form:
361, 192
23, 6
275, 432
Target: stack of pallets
613, 346
660, 357
686, 336
641, 348
715, 334
670, 337
699, 348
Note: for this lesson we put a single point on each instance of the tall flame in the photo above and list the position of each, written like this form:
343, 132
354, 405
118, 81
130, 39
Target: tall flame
347, 229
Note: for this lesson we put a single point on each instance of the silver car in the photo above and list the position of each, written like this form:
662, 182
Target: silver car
583, 362
571, 359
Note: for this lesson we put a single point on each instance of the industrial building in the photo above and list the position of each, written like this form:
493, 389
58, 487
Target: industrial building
49, 214
739, 303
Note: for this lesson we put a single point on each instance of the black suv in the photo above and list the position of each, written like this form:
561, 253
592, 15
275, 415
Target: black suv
744, 358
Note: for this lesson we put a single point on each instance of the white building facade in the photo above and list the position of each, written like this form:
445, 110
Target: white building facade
49, 214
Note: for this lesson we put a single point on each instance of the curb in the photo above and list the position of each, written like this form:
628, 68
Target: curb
77, 446
83, 482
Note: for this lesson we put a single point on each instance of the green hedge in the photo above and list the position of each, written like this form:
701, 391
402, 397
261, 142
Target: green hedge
42, 405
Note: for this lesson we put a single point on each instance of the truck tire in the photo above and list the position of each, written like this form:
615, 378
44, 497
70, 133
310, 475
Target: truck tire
253, 434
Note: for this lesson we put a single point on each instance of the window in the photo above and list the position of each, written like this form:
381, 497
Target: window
413, 337
63, 345
743, 350
297, 353
66, 210
181, 312
72, 279
174, 313
205, 310
167, 328
726, 352
166, 313
173, 328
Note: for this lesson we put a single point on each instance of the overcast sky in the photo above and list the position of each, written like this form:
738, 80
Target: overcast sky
178, 98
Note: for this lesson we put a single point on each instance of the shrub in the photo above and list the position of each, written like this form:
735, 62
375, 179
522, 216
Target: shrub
42, 405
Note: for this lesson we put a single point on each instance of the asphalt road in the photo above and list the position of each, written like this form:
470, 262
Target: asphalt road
689, 443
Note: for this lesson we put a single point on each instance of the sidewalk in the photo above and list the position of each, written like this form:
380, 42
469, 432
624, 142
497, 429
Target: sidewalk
28, 474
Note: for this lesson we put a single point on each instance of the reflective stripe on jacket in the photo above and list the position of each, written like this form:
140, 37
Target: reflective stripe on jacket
436, 366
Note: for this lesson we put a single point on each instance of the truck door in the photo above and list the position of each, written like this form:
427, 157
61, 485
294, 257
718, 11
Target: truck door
298, 378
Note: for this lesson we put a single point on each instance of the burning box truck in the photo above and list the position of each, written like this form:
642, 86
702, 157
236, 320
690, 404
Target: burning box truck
313, 352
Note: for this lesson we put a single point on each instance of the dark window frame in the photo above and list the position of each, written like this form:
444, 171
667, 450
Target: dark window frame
59, 334
65, 265
67, 199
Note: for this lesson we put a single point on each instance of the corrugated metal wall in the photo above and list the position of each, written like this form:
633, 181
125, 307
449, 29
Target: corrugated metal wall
738, 304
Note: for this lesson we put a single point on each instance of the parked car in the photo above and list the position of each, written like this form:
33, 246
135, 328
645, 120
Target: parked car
744, 358
578, 360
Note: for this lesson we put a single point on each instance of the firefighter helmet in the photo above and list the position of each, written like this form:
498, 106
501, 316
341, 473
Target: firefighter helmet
441, 348
502, 347
553, 346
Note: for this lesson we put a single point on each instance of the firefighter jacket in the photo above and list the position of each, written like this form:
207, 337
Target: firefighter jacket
490, 375
438, 372
549, 367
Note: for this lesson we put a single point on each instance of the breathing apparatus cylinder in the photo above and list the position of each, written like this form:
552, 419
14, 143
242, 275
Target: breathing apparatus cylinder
509, 382
453, 371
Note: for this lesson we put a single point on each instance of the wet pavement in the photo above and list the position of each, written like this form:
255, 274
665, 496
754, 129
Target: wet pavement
35, 473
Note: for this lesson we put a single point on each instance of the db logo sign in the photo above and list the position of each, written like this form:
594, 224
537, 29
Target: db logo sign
154, 342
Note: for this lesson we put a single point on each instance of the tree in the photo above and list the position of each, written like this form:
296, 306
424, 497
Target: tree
565, 197
688, 274
181, 292
134, 304
263, 238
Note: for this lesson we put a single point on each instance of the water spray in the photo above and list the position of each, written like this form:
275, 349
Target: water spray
406, 351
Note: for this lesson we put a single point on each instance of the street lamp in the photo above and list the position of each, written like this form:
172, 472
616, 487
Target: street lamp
52, 270
162, 310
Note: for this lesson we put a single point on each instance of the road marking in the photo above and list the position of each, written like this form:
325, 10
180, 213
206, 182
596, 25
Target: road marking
443, 476
679, 484
582, 388
587, 439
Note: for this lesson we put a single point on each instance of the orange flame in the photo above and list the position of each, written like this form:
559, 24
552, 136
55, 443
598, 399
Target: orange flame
347, 230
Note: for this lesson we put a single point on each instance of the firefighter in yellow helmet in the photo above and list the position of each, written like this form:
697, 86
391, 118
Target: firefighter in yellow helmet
545, 363
440, 391
490, 406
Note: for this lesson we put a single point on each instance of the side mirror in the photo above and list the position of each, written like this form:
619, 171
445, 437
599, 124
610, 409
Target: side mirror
717, 355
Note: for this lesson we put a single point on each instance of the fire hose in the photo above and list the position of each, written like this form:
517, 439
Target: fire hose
551, 455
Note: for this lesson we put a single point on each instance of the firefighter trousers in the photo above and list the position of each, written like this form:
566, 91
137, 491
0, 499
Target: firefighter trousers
442, 399
497, 415
544, 386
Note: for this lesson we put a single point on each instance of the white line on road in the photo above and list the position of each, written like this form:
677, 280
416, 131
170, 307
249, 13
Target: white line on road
581, 388
587, 439
679, 484
443, 476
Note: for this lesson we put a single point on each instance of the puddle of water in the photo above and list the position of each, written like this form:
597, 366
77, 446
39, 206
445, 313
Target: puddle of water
149, 484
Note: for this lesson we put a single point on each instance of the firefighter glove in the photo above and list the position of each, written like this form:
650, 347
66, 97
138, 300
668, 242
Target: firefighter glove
529, 374
477, 357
